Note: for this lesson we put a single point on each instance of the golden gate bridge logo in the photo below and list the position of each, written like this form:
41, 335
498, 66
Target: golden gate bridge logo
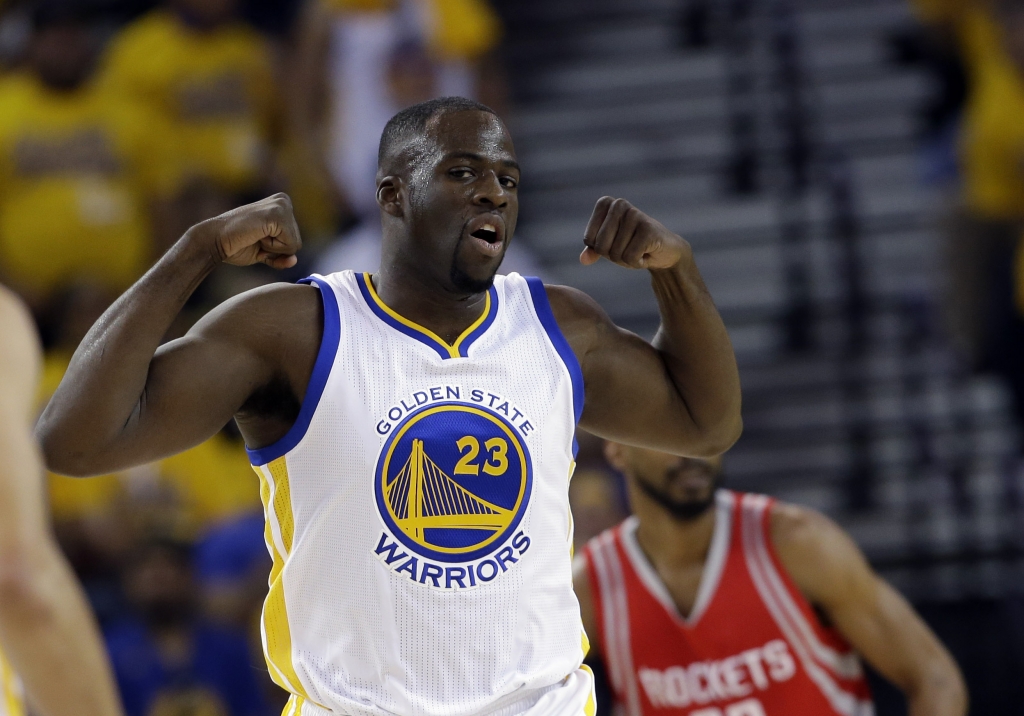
423, 496
467, 507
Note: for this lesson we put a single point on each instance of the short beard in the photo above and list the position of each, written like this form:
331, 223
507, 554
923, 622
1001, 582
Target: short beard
465, 283
681, 511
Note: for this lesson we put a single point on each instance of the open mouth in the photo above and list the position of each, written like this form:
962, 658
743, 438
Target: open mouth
486, 233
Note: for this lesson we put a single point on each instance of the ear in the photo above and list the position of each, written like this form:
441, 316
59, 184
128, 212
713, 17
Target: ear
390, 192
615, 454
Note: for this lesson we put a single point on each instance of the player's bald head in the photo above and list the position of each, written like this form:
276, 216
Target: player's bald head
405, 134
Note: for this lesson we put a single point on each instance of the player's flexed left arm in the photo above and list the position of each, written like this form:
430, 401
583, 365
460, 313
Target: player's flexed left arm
681, 394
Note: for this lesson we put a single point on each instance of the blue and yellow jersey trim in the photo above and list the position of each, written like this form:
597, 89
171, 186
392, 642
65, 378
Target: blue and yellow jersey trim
458, 349
317, 380
279, 532
539, 295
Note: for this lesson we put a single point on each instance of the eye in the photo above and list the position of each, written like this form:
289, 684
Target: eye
460, 173
509, 182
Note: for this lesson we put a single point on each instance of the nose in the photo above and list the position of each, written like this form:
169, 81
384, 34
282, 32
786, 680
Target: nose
489, 192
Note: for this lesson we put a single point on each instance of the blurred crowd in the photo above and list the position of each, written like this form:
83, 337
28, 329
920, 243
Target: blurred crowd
124, 122
975, 142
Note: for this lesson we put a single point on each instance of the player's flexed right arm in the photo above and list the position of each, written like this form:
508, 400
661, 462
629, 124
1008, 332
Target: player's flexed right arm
127, 400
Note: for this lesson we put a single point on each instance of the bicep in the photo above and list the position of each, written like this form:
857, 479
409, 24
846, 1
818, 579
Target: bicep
630, 396
194, 387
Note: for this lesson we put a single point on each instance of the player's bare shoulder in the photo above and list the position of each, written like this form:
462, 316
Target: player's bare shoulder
580, 318
822, 559
279, 318
794, 526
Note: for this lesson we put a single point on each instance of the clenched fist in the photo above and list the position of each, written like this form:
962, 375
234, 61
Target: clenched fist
261, 232
627, 236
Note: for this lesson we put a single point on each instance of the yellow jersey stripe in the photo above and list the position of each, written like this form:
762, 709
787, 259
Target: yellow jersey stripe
294, 706
10, 690
452, 348
282, 502
277, 641
590, 709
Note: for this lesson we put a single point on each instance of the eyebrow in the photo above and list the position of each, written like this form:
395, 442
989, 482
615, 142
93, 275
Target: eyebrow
472, 156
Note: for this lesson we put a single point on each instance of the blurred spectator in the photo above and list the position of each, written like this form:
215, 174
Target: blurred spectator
370, 59
984, 236
81, 169
211, 78
361, 61
168, 661
598, 503
232, 564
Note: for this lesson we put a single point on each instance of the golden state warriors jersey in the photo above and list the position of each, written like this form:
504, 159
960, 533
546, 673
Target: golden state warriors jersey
11, 697
418, 515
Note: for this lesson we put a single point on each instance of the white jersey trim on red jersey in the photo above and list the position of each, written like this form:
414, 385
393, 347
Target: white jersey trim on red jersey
615, 612
816, 658
714, 564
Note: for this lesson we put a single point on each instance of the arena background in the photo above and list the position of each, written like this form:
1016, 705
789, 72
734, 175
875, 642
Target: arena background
849, 173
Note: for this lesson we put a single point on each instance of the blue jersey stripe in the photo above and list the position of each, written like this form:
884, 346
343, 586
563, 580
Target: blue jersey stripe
466, 342
317, 381
547, 319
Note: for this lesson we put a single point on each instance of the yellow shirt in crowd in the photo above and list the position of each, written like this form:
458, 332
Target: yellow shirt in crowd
993, 128
216, 88
458, 29
992, 134
210, 483
78, 171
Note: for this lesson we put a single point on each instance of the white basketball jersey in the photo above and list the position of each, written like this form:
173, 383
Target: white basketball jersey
418, 515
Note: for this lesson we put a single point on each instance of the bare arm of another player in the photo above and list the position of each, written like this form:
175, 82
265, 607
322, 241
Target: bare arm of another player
581, 585
127, 400
680, 394
877, 621
46, 629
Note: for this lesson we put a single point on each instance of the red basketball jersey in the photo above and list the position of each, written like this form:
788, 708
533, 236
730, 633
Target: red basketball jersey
752, 645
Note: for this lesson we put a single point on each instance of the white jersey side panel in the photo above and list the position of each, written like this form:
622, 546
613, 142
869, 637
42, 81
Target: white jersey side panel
418, 512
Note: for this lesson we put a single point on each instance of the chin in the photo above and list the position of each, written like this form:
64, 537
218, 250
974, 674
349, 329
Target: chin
463, 281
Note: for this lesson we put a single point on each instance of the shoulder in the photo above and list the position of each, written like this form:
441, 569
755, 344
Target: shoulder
801, 532
795, 525
284, 316
580, 318
274, 301
820, 557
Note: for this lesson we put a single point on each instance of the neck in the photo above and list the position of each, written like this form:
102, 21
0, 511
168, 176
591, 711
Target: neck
416, 295
669, 542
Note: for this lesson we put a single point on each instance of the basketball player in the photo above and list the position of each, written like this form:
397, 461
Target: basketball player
46, 629
412, 429
714, 603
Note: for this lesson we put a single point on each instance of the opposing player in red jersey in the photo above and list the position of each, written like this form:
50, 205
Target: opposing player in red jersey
709, 602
